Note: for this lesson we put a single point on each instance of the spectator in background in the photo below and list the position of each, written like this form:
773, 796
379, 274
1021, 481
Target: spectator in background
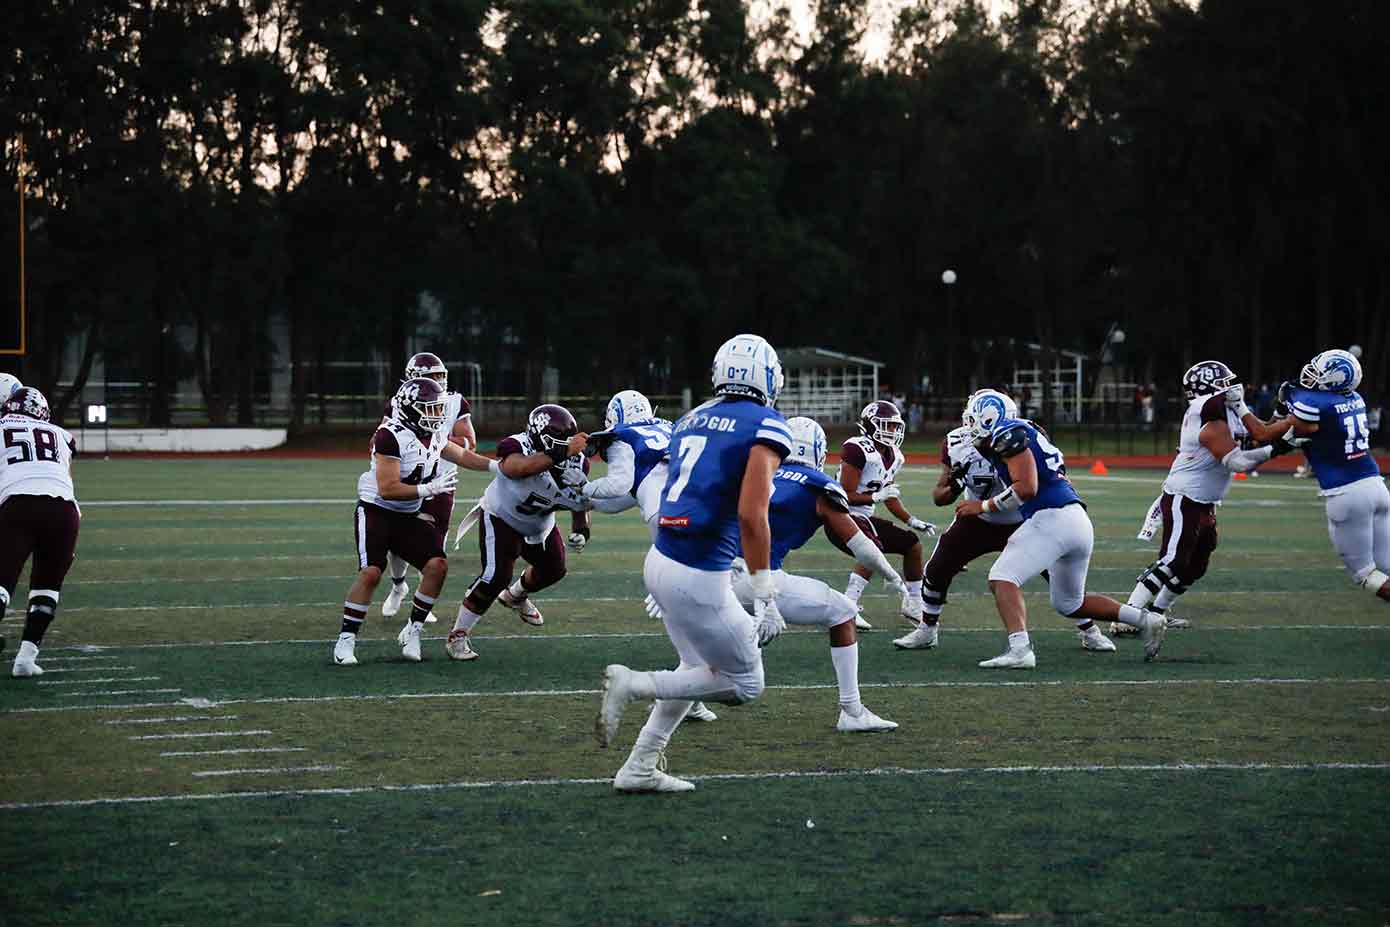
914, 417
900, 400
1373, 422
1027, 410
1264, 402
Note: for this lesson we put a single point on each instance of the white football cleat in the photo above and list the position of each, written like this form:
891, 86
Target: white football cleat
635, 778
459, 647
1155, 627
1119, 627
409, 639
24, 661
1013, 658
923, 637
861, 624
345, 651
617, 692
1178, 622
1092, 639
699, 711
525, 609
394, 599
865, 722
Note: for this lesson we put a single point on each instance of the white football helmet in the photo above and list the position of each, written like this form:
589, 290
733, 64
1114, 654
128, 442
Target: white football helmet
626, 408
985, 410
9, 385
1335, 371
1010, 407
746, 365
808, 442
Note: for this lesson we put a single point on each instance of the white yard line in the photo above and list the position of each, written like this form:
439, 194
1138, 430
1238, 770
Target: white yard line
265, 771
174, 719
166, 503
885, 771
200, 734
239, 750
119, 692
47, 659
86, 669
99, 679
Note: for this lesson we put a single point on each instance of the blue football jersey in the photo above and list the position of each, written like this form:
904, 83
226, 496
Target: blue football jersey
1054, 489
650, 443
698, 524
1340, 450
792, 513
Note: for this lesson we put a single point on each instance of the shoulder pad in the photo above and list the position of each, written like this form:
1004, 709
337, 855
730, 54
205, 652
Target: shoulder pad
835, 495
1011, 441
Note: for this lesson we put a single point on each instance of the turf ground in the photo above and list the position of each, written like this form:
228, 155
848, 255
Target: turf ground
192, 757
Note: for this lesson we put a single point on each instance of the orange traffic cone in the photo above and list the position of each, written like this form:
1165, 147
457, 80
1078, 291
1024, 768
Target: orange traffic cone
1098, 469
1242, 476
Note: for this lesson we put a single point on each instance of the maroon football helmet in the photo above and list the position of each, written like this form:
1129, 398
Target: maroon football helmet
420, 405
1206, 378
550, 428
882, 423
26, 401
429, 366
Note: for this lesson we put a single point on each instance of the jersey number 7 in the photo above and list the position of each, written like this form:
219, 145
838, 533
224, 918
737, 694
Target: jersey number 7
689, 451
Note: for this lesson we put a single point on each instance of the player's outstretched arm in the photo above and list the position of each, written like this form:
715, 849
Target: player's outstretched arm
389, 485
467, 459
843, 529
947, 489
517, 467
1216, 437
753, 497
622, 471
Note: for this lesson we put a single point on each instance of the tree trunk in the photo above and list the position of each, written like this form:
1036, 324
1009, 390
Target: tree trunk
246, 369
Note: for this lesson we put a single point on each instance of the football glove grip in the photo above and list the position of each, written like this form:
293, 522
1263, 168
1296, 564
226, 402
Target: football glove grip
891, 491
1235, 400
916, 524
438, 486
577, 542
769, 621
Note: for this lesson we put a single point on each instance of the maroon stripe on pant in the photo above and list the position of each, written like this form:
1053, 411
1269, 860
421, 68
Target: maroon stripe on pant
1189, 537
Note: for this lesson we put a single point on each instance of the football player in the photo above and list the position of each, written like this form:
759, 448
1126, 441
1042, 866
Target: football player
1211, 450
537, 471
437, 510
636, 446
39, 516
1056, 534
1329, 421
715, 502
403, 471
868, 465
965, 471
805, 500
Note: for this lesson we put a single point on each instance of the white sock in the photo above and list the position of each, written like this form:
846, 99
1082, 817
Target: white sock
28, 652
914, 588
466, 619
516, 590
1141, 596
666, 716
855, 588
687, 683
1165, 598
396, 565
1134, 617
1018, 640
846, 661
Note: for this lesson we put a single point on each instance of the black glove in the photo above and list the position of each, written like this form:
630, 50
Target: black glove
1283, 398
958, 475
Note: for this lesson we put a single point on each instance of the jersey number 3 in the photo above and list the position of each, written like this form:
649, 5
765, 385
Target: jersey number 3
19, 448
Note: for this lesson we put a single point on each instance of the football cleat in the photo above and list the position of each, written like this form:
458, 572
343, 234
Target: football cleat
431, 618
1155, 626
861, 624
617, 692
1177, 623
523, 606
923, 637
636, 778
345, 651
394, 598
25, 661
1013, 658
1119, 627
409, 639
1092, 639
865, 722
459, 647
699, 712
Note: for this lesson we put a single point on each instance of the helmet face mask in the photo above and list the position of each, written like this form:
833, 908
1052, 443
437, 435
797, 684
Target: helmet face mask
1208, 378
1334, 371
983, 413
550, 428
421, 405
808, 442
429, 366
746, 365
627, 408
882, 423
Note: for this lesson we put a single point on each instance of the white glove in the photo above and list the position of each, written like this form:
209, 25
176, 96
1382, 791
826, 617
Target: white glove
573, 500
891, 491
1235, 400
438, 486
571, 476
577, 542
916, 524
654, 610
769, 620
892, 581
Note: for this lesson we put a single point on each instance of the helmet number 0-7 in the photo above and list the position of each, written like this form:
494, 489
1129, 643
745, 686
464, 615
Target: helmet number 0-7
689, 451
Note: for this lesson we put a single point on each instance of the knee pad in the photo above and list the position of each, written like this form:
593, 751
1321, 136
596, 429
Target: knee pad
748, 686
1068, 606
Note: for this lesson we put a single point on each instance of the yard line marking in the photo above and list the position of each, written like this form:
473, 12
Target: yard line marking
174, 719
266, 771
48, 659
809, 687
715, 777
164, 503
90, 669
89, 682
117, 692
255, 733
237, 750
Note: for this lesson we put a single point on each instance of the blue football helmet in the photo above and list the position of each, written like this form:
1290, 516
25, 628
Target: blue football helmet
983, 412
1334, 371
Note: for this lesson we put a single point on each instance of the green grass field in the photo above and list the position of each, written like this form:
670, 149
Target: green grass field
192, 756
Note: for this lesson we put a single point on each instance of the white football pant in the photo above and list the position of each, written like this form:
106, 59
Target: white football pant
1056, 540
1358, 521
800, 599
